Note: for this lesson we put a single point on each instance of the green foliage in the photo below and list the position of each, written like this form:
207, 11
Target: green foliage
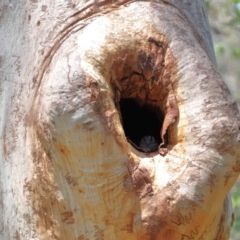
224, 18
236, 197
236, 52
226, 12
208, 5
235, 1
219, 49
236, 209
235, 15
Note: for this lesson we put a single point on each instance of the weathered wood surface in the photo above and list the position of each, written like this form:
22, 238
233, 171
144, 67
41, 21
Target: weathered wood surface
67, 170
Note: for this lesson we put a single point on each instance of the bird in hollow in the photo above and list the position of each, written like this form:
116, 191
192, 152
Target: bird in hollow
148, 143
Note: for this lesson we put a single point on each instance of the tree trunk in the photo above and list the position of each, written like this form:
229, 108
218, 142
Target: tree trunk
115, 123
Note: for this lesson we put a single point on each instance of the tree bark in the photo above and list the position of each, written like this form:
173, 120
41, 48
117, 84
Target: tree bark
69, 170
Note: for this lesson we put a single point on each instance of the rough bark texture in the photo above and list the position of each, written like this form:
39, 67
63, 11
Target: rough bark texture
67, 169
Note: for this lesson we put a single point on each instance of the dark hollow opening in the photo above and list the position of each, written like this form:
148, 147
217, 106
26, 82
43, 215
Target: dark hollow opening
141, 124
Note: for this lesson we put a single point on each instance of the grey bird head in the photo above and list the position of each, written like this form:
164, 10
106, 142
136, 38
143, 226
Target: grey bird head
148, 143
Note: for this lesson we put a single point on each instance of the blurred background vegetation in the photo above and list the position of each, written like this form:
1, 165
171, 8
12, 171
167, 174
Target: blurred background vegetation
224, 18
